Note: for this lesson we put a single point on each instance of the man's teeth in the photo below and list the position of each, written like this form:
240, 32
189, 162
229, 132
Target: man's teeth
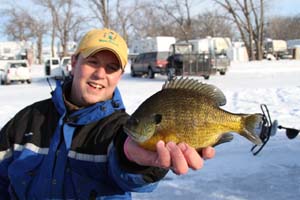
96, 86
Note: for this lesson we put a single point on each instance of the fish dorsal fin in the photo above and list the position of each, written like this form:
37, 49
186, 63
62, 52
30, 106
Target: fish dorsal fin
204, 89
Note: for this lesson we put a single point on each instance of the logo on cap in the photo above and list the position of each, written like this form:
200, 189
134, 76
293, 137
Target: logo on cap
109, 37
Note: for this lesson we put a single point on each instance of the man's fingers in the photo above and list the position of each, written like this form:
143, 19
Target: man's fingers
164, 159
192, 156
208, 152
179, 157
143, 157
179, 164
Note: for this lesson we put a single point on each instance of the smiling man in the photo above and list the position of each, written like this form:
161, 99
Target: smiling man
77, 148
91, 83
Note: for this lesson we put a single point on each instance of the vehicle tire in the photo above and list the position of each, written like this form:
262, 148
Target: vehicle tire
28, 81
132, 72
7, 82
150, 73
222, 72
47, 70
206, 77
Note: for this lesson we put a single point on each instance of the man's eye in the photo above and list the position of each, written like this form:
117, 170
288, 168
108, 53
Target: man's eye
112, 67
93, 62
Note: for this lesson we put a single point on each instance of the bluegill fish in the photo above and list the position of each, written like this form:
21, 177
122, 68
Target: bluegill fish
186, 110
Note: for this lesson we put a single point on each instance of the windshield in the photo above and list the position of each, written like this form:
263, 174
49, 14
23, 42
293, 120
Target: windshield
162, 55
65, 62
55, 62
16, 65
183, 48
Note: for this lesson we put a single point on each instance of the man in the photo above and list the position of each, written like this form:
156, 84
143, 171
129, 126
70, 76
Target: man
72, 146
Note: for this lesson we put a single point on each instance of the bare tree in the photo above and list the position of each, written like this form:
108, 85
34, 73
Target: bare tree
23, 26
100, 8
16, 26
258, 13
116, 14
123, 18
38, 29
283, 27
171, 19
64, 21
149, 21
180, 12
50, 4
211, 23
295, 27
249, 19
68, 22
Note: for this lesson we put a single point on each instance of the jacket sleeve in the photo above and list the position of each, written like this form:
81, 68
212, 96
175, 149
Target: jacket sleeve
6, 153
9, 134
131, 176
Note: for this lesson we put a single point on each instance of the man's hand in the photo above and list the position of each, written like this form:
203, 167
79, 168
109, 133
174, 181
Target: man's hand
179, 158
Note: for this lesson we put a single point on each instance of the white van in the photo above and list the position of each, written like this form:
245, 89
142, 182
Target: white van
65, 65
52, 68
15, 71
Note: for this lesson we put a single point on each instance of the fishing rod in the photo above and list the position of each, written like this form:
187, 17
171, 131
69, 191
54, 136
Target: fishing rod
269, 129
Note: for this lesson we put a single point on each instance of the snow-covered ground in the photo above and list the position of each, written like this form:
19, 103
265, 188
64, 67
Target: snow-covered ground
234, 173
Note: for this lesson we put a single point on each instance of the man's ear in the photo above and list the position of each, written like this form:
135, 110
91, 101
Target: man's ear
74, 60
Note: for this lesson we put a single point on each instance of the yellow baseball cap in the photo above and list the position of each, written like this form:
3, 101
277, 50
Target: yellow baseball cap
103, 39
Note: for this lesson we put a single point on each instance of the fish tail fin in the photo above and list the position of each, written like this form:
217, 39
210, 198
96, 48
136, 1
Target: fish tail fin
252, 128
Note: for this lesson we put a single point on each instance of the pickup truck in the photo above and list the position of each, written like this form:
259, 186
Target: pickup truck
58, 68
14, 71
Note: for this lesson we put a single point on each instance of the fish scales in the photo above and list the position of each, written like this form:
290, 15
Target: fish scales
182, 114
190, 120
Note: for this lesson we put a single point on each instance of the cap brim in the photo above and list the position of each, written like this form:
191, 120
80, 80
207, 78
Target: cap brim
91, 51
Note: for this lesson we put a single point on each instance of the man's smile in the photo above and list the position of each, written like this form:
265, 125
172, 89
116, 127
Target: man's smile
95, 85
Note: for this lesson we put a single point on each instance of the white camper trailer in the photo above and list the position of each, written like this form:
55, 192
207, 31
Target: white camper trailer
152, 44
10, 50
275, 49
213, 45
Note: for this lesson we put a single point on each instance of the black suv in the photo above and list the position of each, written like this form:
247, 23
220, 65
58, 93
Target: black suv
149, 63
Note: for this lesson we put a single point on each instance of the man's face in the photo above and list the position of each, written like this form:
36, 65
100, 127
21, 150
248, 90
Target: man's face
94, 78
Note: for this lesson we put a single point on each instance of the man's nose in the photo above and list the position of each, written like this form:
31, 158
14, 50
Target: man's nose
100, 71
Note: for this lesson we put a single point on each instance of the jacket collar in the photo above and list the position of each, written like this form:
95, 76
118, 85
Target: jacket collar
87, 114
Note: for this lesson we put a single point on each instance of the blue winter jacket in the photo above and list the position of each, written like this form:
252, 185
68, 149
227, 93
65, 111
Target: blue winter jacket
47, 152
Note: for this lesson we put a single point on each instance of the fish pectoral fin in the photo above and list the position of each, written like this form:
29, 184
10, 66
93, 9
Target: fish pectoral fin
227, 137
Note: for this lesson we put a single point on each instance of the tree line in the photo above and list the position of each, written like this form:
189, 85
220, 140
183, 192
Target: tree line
67, 20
